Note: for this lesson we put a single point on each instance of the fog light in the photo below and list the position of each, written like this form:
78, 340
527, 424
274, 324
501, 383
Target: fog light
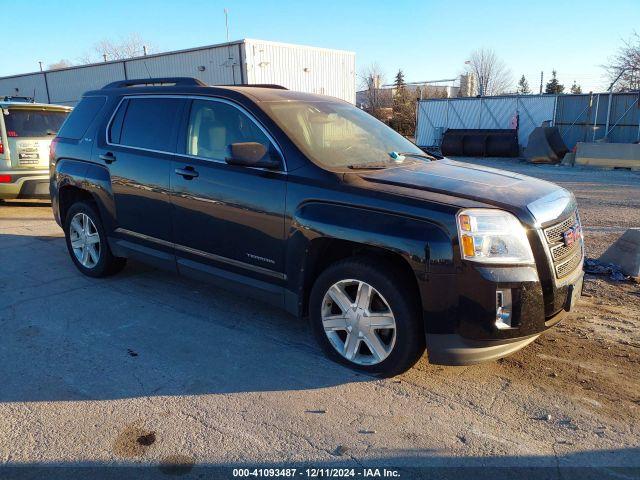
503, 309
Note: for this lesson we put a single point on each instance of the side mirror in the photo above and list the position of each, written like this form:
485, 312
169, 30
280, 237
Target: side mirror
251, 154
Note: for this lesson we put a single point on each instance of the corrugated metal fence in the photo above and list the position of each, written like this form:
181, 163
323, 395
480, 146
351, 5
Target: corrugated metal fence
580, 118
587, 118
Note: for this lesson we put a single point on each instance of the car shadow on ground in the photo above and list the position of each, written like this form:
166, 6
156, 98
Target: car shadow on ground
141, 332
406, 464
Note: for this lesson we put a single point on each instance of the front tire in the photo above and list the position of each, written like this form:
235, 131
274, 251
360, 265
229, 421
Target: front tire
364, 314
87, 242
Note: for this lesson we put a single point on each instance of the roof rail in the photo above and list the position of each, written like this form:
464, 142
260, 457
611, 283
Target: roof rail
160, 81
13, 98
264, 85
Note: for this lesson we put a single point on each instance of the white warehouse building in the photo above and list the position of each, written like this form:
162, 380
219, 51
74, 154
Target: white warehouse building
297, 67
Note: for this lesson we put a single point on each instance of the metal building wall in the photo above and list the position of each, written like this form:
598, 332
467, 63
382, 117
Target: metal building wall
67, 86
302, 68
217, 65
31, 85
437, 115
308, 69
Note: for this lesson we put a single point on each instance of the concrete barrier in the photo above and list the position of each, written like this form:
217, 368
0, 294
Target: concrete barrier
609, 155
625, 253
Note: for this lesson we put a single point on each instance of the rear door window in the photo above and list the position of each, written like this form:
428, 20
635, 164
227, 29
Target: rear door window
81, 117
26, 122
115, 129
150, 123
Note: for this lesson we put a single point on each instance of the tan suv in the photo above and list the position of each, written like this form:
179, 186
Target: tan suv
26, 131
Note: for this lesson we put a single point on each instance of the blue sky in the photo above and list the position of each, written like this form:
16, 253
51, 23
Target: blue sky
428, 39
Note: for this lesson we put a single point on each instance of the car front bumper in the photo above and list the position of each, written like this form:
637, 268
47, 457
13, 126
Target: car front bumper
25, 184
452, 349
459, 349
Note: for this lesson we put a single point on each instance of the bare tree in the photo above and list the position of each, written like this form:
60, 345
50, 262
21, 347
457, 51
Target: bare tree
624, 67
375, 97
126, 47
62, 63
492, 75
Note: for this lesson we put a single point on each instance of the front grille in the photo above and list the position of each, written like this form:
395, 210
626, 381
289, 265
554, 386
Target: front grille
566, 267
554, 233
560, 251
566, 258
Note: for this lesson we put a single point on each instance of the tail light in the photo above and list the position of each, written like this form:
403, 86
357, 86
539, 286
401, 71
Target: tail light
1, 148
5, 178
52, 150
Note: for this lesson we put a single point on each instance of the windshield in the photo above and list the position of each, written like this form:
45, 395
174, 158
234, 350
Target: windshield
339, 135
23, 122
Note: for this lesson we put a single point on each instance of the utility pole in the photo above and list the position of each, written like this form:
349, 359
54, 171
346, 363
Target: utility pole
226, 22
144, 50
541, 81
104, 56
40, 63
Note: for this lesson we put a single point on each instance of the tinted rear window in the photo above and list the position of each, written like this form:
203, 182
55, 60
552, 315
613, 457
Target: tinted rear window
81, 117
148, 123
33, 123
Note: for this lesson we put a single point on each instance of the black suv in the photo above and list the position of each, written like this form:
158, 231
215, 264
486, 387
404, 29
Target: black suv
311, 204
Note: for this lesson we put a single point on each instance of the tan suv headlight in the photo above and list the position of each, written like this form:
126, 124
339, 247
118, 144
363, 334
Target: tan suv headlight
492, 236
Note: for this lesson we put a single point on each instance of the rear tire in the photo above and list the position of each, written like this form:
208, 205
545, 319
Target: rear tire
87, 242
364, 314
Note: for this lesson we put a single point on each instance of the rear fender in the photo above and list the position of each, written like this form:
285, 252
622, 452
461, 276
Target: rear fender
90, 177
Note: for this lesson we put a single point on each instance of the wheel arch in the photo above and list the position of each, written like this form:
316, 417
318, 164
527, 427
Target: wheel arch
70, 194
77, 180
324, 233
324, 252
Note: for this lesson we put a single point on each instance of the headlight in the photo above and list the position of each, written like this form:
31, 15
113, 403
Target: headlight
492, 236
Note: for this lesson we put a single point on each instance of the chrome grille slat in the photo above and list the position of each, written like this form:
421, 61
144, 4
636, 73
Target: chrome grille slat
565, 268
565, 258
560, 252
554, 233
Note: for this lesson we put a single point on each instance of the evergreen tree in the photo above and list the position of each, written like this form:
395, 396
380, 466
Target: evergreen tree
399, 81
523, 86
554, 87
575, 88
403, 106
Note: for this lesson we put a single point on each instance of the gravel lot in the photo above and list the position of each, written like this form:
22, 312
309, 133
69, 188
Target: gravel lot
146, 368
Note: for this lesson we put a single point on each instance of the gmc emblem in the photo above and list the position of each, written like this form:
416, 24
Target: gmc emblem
570, 236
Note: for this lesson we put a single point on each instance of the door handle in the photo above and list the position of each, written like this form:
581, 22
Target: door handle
108, 157
187, 172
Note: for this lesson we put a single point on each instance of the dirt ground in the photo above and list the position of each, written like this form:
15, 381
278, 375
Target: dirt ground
599, 362
153, 370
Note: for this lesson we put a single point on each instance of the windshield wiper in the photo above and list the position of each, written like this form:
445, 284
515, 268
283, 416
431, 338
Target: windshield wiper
368, 166
417, 155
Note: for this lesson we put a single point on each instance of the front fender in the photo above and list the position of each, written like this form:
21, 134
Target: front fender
424, 245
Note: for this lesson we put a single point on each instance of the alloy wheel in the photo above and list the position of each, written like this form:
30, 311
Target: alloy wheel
358, 322
85, 240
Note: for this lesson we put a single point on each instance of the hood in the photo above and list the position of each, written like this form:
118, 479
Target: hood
506, 190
